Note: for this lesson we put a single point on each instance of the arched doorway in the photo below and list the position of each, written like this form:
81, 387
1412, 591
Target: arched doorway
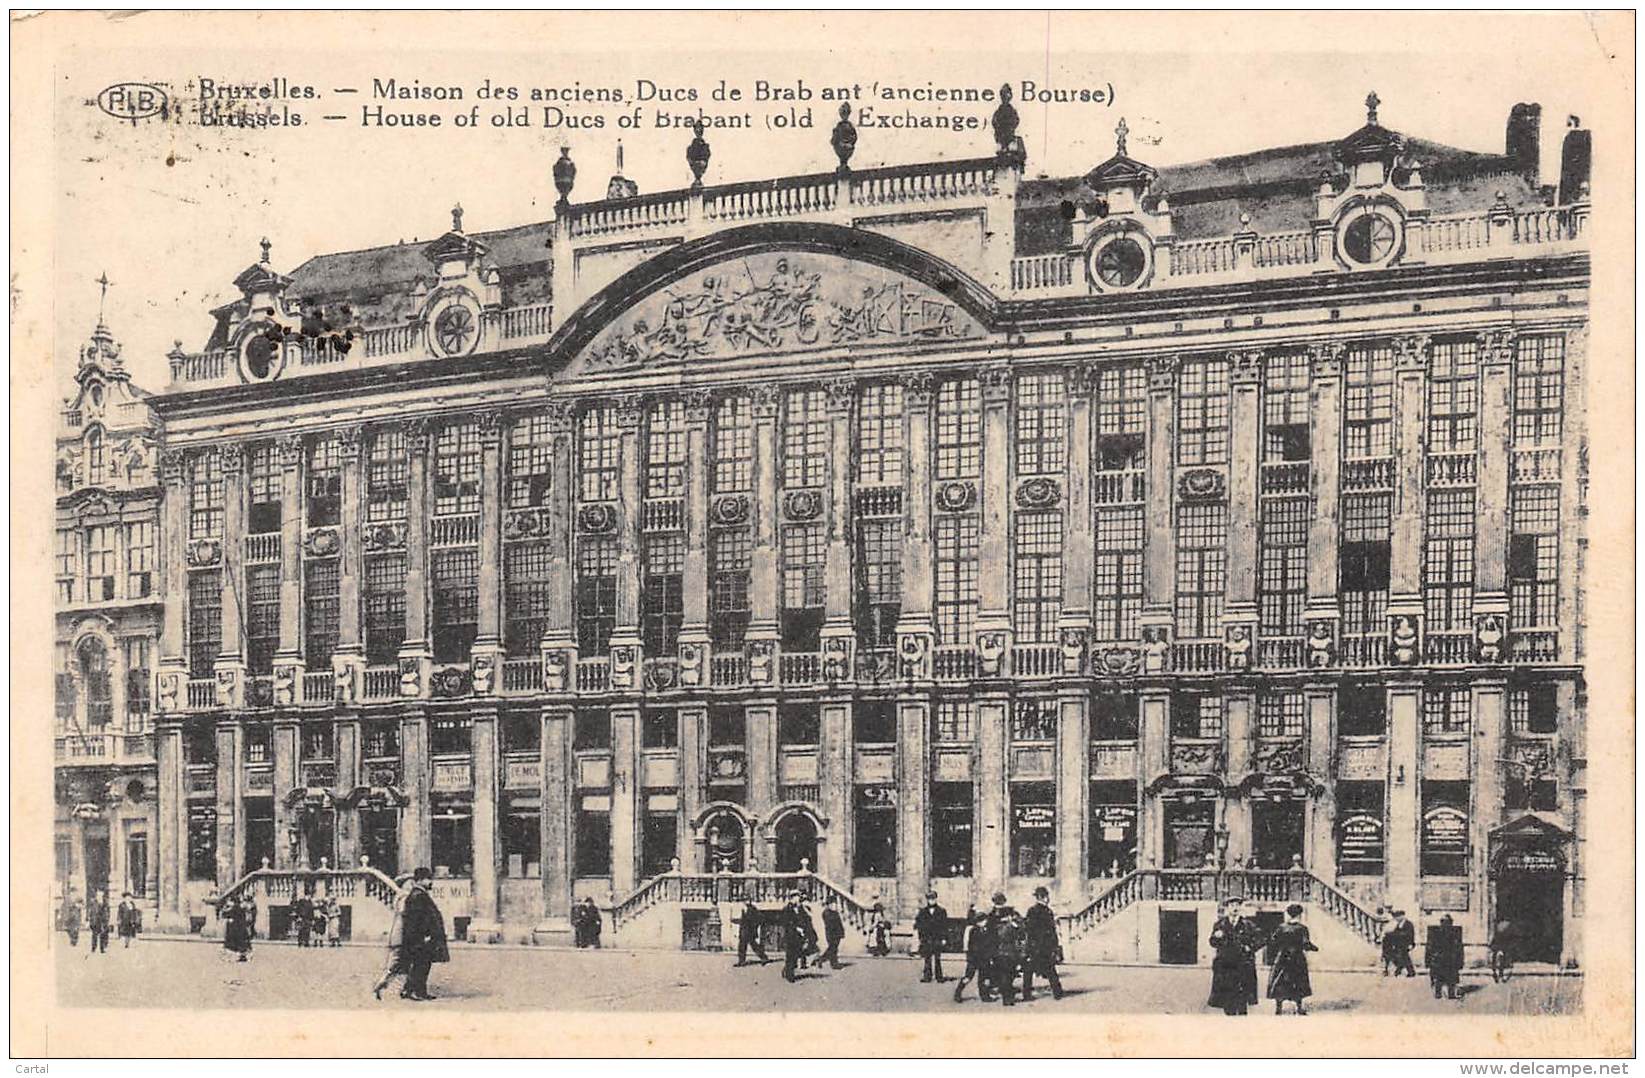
725, 843
796, 835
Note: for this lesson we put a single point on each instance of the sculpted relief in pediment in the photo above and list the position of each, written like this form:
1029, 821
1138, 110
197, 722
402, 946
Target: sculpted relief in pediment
776, 302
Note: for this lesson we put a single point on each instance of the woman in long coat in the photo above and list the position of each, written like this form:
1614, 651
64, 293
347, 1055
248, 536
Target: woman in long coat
1236, 941
236, 929
1288, 976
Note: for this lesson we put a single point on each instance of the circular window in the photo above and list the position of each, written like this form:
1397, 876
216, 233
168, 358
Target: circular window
1369, 237
1120, 261
262, 355
454, 325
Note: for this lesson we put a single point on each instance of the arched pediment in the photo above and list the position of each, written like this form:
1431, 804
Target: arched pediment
773, 289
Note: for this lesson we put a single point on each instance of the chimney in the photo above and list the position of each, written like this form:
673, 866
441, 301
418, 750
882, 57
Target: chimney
1574, 162
1524, 144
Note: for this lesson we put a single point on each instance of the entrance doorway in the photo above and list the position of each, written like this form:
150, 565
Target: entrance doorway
1533, 904
1189, 826
318, 828
796, 843
259, 833
1178, 937
137, 863
723, 843
380, 839
97, 862
1276, 832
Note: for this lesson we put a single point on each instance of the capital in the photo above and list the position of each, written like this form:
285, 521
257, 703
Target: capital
232, 456
767, 397
171, 467
996, 384
1325, 358
698, 404
348, 443
1411, 352
1245, 367
1162, 373
841, 392
291, 451
419, 433
1496, 347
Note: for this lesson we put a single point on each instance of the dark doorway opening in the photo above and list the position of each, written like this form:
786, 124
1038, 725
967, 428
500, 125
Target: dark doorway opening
1533, 904
796, 843
1178, 937
1276, 832
1189, 839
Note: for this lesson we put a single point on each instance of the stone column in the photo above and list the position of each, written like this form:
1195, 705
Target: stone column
1153, 761
1239, 713
1322, 809
1078, 541
1325, 467
417, 648
561, 630
625, 798
693, 760
760, 728
289, 652
171, 543
1496, 439
231, 657
557, 793
416, 848
694, 638
1245, 426
350, 653
483, 746
348, 777
993, 803
835, 787
628, 536
1159, 564
993, 544
1073, 793
488, 634
837, 584
1490, 748
1410, 478
168, 738
762, 581
913, 801
230, 833
1404, 792
285, 780
918, 586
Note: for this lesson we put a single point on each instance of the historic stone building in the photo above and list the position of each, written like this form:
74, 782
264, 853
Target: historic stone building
107, 635
1157, 534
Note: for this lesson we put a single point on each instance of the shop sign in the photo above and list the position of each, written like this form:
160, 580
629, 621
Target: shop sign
1035, 817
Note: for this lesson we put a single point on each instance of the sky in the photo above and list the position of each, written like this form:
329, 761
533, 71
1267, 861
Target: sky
172, 212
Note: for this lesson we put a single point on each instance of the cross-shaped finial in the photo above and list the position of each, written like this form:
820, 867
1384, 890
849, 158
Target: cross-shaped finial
1371, 103
103, 280
1120, 131
267, 247
619, 157
457, 217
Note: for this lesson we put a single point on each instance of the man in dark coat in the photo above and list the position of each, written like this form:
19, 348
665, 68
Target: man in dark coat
302, 915
796, 934
1044, 951
592, 924
1236, 940
97, 920
929, 925
834, 933
979, 956
1288, 973
748, 934
1397, 944
128, 919
422, 936
1005, 925
1444, 957
68, 915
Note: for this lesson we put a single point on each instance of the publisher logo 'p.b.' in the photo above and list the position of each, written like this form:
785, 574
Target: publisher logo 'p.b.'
134, 101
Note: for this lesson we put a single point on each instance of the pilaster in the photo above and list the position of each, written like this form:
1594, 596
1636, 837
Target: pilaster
289, 650
762, 582
416, 654
1159, 566
1325, 465
1410, 476
230, 833
285, 780
992, 825
913, 801
993, 545
1496, 358
416, 848
1073, 793
483, 744
1404, 792
835, 784
556, 818
625, 795
1321, 706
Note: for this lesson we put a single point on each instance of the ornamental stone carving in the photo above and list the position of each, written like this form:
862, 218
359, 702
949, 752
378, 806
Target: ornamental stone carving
691, 665
203, 553
483, 673
1073, 644
323, 542
996, 384
597, 519
1322, 644
169, 693
1039, 493
836, 658
841, 392
285, 686
1280, 758
912, 652
917, 388
291, 451
1245, 368
1489, 633
228, 687
1196, 759
171, 467
348, 444
1202, 484
1156, 649
390, 536
661, 675
1325, 359
411, 679
556, 670
1120, 660
730, 510
232, 458
342, 685
1162, 373
802, 504
450, 681
1497, 347
1404, 639
759, 662
1237, 644
991, 654
956, 496
623, 659
525, 523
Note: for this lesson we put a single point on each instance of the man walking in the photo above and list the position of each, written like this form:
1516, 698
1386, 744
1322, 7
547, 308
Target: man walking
128, 919
302, 913
979, 956
1005, 925
795, 935
748, 934
422, 936
1443, 956
69, 915
929, 925
833, 932
97, 920
1397, 944
1044, 950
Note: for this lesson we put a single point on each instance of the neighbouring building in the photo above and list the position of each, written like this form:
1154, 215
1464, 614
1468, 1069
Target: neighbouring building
107, 556
1152, 534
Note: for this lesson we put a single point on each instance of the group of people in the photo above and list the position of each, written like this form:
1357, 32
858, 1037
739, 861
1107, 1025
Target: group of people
416, 939
239, 916
801, 946
1443, 951
1235, 940
318, 922
1001, 945
586, 924
127, 919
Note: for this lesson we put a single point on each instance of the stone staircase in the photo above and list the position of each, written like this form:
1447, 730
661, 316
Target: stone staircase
639, 919
366, 893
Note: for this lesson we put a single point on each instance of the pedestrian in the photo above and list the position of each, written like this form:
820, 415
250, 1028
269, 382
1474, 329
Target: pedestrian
879, 931
236, 929
1235, 940
1043, 948
302, 916
748, 934
422, 935
1501, 946
794, 920
322, 909
979, 956
68, 915
334, 923
396, 954
1288, 975
97, 921
1398, 943
833, 932
1443, 956
128, 919
1005, 924
929, 925
591, 923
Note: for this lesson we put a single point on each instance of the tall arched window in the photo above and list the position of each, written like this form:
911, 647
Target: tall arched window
94, 675
96, 464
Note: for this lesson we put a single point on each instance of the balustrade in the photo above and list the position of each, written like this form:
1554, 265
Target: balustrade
1285, 477
463, 530
954, 662
1198, 656
1534, 646
1376, 473
1452, 469
1118, 488
799, 667
527, 321
380, 683
263, 548
1364, 649
1036, 660
1448, 647
1279, 652
202, 692
319, 687
728, 669
594, 674
522, 675
1535, 466
663, 514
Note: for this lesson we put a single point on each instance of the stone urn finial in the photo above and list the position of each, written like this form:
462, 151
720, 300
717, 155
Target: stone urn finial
565, 175
697, 155
844, 139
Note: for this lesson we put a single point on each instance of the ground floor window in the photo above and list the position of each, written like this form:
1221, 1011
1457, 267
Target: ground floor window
522, 835
1033, 829
952, 823
202, 842
453, 839
659, 836
592, 855
259, 832
1113, 847
876, 831
1190, 840
1361, 837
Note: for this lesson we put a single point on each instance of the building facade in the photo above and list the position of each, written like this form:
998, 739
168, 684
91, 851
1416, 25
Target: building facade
108, 547
1132, 533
